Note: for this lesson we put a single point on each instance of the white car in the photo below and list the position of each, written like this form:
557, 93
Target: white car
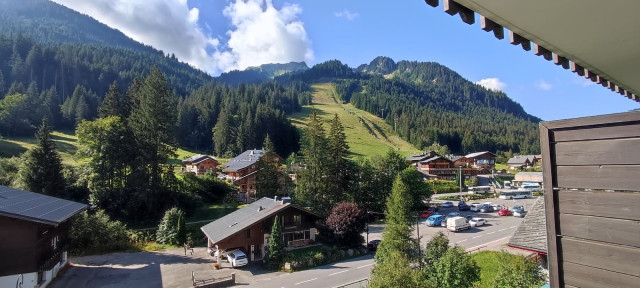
474, 207
237, 258
475, 222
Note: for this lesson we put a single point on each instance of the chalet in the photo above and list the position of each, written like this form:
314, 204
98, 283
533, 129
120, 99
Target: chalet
34, 237
414, 160
200, 164
531, 234
590, 164
241, 170
458, 161
484, 160
522, 161
437, 167
249, 228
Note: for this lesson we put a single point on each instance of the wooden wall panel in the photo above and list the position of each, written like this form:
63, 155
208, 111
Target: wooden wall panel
614, 177
588, 277
591, 133
622, 259
622, 205
617, 231
598, 152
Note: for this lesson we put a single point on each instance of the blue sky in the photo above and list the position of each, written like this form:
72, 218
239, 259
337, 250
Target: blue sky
218, 36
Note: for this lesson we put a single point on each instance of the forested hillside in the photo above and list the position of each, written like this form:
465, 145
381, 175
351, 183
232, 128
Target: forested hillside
48, 22
429, 103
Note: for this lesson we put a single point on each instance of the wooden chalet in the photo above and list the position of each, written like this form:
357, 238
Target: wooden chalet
590, 164
414, 160
484, 160
200, 164
249, 228
34, 237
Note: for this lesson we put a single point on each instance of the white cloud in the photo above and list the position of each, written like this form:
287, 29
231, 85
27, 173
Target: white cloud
347, 15
543, 85
263, 34
492, 84
260, 34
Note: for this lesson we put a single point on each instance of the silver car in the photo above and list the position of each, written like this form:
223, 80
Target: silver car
237, 258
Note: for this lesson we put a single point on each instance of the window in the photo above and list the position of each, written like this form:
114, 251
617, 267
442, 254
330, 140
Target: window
297, 220
249, 233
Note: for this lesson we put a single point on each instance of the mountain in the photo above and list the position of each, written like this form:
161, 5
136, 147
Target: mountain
261, 73
380, 65
428, 103
48, 22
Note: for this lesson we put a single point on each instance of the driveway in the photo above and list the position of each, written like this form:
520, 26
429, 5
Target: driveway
169, 268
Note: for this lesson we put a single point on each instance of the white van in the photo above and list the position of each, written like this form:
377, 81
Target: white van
456, 224
531, 187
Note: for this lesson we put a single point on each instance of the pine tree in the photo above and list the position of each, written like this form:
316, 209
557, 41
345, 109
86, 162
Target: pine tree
112, 104
275, 250
181, 230
41, 169
267, 175
152, 121
397, 234
392, 257
338, 165
224, 134
312, 186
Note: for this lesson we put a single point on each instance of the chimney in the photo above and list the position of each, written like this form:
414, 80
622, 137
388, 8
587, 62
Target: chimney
260, 208
275, 199
286, 199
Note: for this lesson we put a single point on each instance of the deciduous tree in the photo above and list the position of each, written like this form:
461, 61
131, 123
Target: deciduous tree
347, 222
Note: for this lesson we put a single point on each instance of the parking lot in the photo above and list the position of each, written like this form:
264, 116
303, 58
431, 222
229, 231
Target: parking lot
492, 236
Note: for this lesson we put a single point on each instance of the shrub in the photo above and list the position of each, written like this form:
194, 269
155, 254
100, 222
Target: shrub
347, 221
96, 233
168, 230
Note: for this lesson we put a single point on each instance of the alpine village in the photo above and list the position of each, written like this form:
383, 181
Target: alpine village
123, 166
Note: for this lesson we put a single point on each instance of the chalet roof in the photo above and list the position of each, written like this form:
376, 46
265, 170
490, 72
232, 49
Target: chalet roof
435, 158
454, 158
518, 160
36, 207
246, 159
245, 217
476, 154
421, 157
198, 158
528, 177
532, 233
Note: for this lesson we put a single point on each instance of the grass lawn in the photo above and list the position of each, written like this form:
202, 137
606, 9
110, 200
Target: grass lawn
489, 266
66, 144
212, 211
502, 166
367, 135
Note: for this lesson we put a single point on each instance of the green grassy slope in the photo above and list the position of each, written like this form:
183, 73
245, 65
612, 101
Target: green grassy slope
367, 135
66, 145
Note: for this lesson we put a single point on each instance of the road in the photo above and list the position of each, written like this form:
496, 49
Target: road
492, 236
331, 275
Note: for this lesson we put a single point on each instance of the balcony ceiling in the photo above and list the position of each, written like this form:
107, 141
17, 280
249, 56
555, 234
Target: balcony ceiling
603, 37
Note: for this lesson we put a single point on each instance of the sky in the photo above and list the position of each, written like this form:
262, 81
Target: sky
222, 35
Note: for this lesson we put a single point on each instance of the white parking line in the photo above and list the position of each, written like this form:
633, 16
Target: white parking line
364, 266
306, 281
502, 230
461, 241
491, 232
338, 272
514, 226
476, 237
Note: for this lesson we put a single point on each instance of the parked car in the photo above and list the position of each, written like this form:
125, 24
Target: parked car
433, 209
475, 207
450, 215
477, 221
426, 214
237, 258
434, 220
486, 208
462, 206
518, 211
447, 204
373, 245
505, 212
457, 223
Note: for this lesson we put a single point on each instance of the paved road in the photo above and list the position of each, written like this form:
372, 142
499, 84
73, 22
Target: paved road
331, 275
